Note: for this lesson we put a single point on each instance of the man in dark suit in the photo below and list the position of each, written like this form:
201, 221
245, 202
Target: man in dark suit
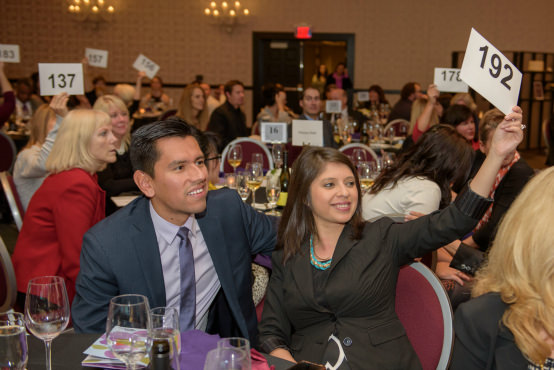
311, 106
347, 113
142, 249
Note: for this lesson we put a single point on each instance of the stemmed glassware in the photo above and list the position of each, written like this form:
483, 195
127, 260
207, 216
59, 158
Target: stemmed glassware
277, 152
254, 176
127, 328
231, 353
165, 333
258, 158
234, 157
359, 155
272, 191
46, 310
366, 172
13, 341
242, 186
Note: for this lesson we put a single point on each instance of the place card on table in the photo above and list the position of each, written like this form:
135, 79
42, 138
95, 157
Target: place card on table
363, 96
148, 66
100, 355
448, 80
333, 106
306, 132
273, 132
97, 58
56, 78
9, 53
490, 73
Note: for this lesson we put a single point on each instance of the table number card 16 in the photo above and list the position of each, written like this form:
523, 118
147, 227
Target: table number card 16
148, 66
61, 77
9, 53
490, 73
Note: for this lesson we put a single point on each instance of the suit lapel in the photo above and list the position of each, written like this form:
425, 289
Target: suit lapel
344, 245
147, 251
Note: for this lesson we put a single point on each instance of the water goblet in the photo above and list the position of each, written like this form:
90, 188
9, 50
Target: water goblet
13, 341
127, 328
46, 310
234, 157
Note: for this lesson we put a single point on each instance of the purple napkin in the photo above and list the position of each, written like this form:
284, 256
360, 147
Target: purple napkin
262, 260
195, 345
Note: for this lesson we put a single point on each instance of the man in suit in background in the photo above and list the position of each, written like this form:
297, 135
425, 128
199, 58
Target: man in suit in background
174, 235
311, 106
347, 114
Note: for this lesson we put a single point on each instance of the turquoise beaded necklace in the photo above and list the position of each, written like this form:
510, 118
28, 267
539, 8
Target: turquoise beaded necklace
315, 263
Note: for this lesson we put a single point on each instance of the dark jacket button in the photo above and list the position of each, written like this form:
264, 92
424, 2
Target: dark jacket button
347, 341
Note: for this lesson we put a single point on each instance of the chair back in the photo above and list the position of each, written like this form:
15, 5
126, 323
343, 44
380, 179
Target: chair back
249, 147
8, 152
401, 127
423, 307
12, 197
8, 286
348, 149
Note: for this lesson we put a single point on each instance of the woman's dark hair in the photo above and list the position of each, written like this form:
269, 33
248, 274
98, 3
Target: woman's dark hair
297, 222
269, 91
379, 90
456, 114
209, 142
441, 155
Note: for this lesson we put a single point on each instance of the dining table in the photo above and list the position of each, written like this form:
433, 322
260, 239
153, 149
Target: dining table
68, 348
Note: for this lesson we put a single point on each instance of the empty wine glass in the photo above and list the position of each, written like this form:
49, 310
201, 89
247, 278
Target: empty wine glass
227, 358
359, 155
254, 176
277, 152
46, 310
127, 328
13, 341
258, 158
272, 190
242, 186
165, 333
234, 157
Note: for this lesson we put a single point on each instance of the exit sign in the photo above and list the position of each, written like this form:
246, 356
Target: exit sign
303, 32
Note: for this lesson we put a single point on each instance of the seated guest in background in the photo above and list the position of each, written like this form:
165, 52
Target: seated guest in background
153, 245
311, 106
209, 142
68, 202
8, 104
282, 101
461, 117
464, 99
192, 107
270, 111
426, 112
420, 180
340, 77
211, 102
509, 324
117, 177
228, 120
129, 94
99, 88
30, 165
36, 89
347, 114
403, 108
376, 98
25, 104
331, 297
156, 100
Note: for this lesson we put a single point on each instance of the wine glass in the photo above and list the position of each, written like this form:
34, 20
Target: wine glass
242, 186
272, 191
46, 310
227, 358
277, 152
254, 176
258, 158
366, 172
127, 328
165, 333
13, 341
237, 343
359, 155
234, 157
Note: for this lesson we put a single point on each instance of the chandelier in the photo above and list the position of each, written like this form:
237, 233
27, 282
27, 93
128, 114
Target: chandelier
91, 10
226, 13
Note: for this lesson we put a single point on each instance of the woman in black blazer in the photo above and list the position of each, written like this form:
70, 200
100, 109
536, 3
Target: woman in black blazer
510, 325
331, 295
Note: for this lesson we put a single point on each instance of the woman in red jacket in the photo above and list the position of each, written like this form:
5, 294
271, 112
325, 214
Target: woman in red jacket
68, 202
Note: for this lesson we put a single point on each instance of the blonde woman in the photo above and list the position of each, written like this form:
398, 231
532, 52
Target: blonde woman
117, 177
68, 202
426, 112
192, 107
510, 322
30, 165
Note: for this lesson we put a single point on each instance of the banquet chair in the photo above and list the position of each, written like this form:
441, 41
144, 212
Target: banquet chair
423, 307
249, 147
8, 286
16, 207
400, 125
348, 149
8, 152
